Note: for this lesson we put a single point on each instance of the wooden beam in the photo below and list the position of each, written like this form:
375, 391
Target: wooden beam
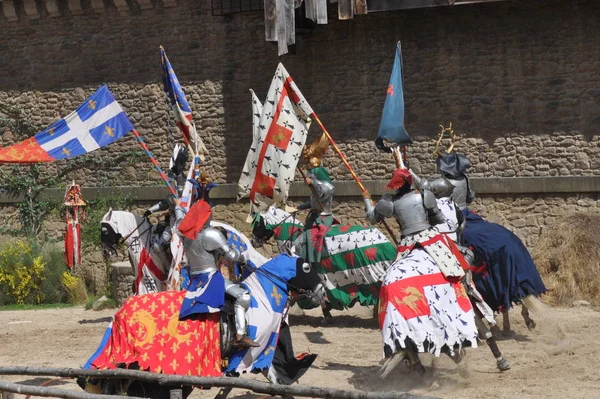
171, 380
393, 5
54, 392
345, 9
169, 3
10, 12
280, 24
310, 10
75, 7
52, 8
290, 22
122, 6
98, 6
360, 6
145, 4
270, 20
31, 9
321, 11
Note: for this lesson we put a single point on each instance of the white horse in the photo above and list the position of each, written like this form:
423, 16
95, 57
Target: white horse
150, 263
150, 266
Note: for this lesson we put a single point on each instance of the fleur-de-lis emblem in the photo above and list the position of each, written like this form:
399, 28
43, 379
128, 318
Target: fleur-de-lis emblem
66, 152
92, 104
51, 132
276, 295
109, 131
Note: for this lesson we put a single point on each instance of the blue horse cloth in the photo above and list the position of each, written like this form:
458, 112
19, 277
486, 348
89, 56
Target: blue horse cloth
206, 294
504, 272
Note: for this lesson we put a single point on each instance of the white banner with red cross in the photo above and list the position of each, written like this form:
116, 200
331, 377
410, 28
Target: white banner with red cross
277, 143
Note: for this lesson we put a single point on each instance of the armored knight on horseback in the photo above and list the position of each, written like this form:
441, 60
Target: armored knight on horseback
503, 269
204, 246
417, 213
320, 204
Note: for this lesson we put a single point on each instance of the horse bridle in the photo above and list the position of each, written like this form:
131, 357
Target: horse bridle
124, 239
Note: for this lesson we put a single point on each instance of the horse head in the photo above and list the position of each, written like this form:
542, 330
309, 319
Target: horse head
260, 232
307, 282
279, 224
109, 236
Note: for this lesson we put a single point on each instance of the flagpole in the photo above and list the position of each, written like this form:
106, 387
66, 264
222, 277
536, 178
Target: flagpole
354, 175
149, 153
312, 189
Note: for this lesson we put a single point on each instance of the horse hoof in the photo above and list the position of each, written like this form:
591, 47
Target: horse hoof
503, 365
530, 325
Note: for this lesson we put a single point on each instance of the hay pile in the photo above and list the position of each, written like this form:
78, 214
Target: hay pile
568, 258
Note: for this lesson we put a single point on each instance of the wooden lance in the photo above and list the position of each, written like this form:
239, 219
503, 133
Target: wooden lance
154, 162
354, 175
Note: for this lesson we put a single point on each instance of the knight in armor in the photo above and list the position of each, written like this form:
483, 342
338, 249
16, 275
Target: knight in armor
453, 183
417, 213
203, 246
504, 272
163, 230
320, 218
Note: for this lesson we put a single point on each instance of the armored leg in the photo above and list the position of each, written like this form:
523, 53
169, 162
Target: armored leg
242, 302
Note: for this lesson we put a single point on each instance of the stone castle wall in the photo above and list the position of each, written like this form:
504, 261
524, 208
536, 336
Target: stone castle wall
519, 81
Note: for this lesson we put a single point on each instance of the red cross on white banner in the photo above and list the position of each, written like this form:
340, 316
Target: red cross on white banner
280, 130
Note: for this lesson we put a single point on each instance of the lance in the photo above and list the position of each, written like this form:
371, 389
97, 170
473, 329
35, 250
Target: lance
149, 153
312, 189
354, 175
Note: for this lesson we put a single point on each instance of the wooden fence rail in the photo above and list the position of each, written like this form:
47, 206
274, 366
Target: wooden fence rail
164, 379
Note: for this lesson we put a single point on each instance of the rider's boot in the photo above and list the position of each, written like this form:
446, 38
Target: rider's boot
245, 341
241, 305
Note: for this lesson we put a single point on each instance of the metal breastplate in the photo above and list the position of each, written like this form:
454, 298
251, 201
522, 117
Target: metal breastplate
460, 192
411, 214
324, 201
199, 259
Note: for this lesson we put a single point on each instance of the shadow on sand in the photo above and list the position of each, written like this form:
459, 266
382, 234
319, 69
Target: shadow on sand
338, 321
45, 381
96, 321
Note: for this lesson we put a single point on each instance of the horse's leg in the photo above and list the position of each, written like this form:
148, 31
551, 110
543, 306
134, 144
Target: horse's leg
505, 322
528, 321
486, 334
326, 309
416, 364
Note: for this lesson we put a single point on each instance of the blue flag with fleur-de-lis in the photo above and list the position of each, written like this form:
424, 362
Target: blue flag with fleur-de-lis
392, 121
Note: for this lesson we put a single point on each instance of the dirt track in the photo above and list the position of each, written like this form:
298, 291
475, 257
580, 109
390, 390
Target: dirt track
557, 360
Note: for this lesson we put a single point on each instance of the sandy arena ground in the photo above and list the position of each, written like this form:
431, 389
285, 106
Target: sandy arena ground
557, 360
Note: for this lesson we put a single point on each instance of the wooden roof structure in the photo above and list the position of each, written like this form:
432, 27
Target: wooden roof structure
280, 24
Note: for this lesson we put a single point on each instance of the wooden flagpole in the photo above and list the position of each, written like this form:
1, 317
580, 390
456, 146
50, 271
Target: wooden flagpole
154, 162
354, 175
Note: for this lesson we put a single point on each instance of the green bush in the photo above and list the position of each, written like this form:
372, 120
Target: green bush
32, 274
21, 274
52, 286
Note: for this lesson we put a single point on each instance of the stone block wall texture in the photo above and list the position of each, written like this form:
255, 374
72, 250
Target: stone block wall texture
520, 81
